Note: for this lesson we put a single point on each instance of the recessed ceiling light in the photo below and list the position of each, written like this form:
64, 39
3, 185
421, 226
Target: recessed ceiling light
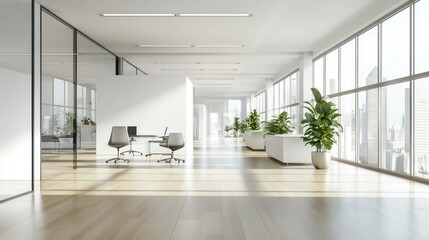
215, 15
200, 63
164, 46
138, 14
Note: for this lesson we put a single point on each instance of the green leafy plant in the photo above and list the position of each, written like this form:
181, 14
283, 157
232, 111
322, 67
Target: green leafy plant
253, 120
320, 123
280, 124
227, 129
70, 126
243, 126
87, 121
236, 124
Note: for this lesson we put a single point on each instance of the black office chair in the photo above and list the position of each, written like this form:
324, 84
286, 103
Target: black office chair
132, 133
174, 142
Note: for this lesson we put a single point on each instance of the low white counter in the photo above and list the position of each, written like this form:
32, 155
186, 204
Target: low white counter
288, 148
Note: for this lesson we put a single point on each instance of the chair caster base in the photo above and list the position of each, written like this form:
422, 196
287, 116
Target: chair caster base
115, 160
168, 160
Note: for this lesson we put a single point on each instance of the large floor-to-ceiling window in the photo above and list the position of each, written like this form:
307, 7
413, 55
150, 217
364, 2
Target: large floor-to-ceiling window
380, 79
15, 98
259, 103
214, 115
286, 98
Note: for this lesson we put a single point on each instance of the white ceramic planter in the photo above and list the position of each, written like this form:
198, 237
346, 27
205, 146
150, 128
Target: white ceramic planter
321, 160
288, 148
254, 139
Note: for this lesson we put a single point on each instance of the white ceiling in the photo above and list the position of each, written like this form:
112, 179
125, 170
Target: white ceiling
274, 36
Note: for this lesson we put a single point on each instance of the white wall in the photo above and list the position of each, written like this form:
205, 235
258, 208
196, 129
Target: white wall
189, 115
149, 102
200, 122
15, 127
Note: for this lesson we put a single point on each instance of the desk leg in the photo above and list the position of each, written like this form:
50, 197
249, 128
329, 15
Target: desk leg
148, 148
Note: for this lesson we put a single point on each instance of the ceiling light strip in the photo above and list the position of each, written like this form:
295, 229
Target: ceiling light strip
164, 46
202, 69
218, 46
199, 63
190, 45
208, 79
215, 15
215, 84
176, 14
138, 14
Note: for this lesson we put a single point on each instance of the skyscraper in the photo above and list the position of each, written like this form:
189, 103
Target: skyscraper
368, 111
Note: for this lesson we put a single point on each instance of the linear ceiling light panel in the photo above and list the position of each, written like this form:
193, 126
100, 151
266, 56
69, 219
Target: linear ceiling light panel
176, 14
210, 79
138, 14
232, 63
215, 15
219, 46
202, 69
199, 84
190, 46
164, 46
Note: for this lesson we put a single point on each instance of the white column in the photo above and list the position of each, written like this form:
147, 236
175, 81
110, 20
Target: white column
252, 102
269, 94
305, 82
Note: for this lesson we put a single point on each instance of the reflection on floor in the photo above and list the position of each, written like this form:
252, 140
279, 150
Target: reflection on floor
9, 189
223, 191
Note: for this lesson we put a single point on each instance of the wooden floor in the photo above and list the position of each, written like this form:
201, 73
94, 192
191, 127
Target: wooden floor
223, 191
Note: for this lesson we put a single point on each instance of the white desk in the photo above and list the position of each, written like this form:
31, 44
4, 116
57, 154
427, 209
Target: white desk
149, 142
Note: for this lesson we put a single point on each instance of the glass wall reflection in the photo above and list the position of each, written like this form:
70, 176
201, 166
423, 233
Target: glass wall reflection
70, 107
58, 93
93, 64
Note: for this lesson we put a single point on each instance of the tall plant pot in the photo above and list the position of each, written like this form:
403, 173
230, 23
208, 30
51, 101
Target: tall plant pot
321, 160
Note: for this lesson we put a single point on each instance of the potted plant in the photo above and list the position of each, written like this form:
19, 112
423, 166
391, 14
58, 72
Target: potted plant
254, 120
280, 124
87, 132
227, 129
87, 121
244, 126
321, 127
236, 126
285, 147
253, 135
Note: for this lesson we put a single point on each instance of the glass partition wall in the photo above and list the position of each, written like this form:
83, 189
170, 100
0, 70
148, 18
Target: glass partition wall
380, 79
72, 64
93, 63
16, 155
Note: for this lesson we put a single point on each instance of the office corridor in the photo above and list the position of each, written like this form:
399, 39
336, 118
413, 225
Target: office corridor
223, 191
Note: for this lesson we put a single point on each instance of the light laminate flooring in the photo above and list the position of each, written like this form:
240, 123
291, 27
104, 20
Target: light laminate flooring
223, 191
